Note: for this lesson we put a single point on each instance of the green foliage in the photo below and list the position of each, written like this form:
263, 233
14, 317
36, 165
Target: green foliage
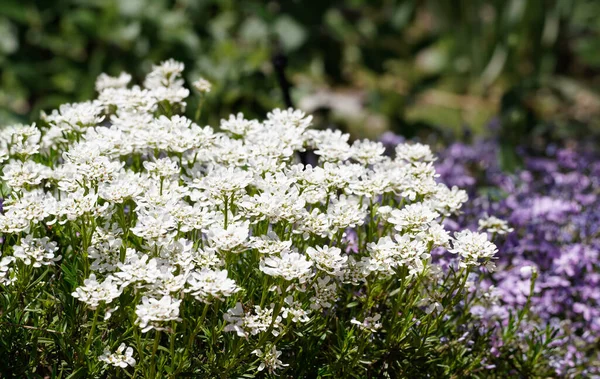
405, 65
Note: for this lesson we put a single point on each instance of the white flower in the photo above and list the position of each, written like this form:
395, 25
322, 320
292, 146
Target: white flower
207, 258
238, 126
154, 224
128, 101
436, 235
294, 309
33, 206
269, 360
493, 224
166, 74
152, 313
289, 118
36, 251
123, 357
388, 253
231, 239
162, 168
137, 269
413, 217
527, 271
76, 117
275, 205
77, 204
367, 152
252, 323
169, 210
105, 81
220, 183
207, 284
120, 189
3, 154
446, 200
289, 266
202, 85
414, 153
21, 140
315, 222
472, 247
270, 244
93, 293
370, 323
328, 259
13, 222
6, 277
331, 146
235, 320
326, 293
346, 212
19, 174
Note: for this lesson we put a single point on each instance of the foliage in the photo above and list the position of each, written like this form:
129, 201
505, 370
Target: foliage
411, 66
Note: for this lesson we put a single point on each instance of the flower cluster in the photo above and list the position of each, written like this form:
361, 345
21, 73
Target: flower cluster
551, 207
221, 241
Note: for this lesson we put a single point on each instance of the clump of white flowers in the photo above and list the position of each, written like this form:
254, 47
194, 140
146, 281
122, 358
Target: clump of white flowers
36, 251
269, 360
123, 357
221, 240
493, 224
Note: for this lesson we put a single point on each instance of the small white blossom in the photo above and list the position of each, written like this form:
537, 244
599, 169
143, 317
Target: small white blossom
328, 259
93, 293
123, 357
370, 323
269, 360
414, 153
105, 81
202, 85
472, 247
326, 293
493, 224
413, 217
37, 251
6, 277
290, 266
252, 323
207, 284
153, 313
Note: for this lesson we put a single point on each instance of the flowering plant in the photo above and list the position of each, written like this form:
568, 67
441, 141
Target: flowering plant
551, 204
137, 243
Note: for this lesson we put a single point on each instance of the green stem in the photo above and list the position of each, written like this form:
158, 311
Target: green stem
199, 109
172, 348
153, 358
226, 211
91, 335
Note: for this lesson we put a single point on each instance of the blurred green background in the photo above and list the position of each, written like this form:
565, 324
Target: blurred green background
414, 67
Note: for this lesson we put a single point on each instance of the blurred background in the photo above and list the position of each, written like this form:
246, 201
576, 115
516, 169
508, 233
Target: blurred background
528, 71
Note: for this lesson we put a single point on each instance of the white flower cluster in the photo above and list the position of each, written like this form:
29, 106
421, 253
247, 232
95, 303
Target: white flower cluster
123, 357
493, 224
370, 324
259, 321
473, 248
269, 360
172, 211
36, 251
